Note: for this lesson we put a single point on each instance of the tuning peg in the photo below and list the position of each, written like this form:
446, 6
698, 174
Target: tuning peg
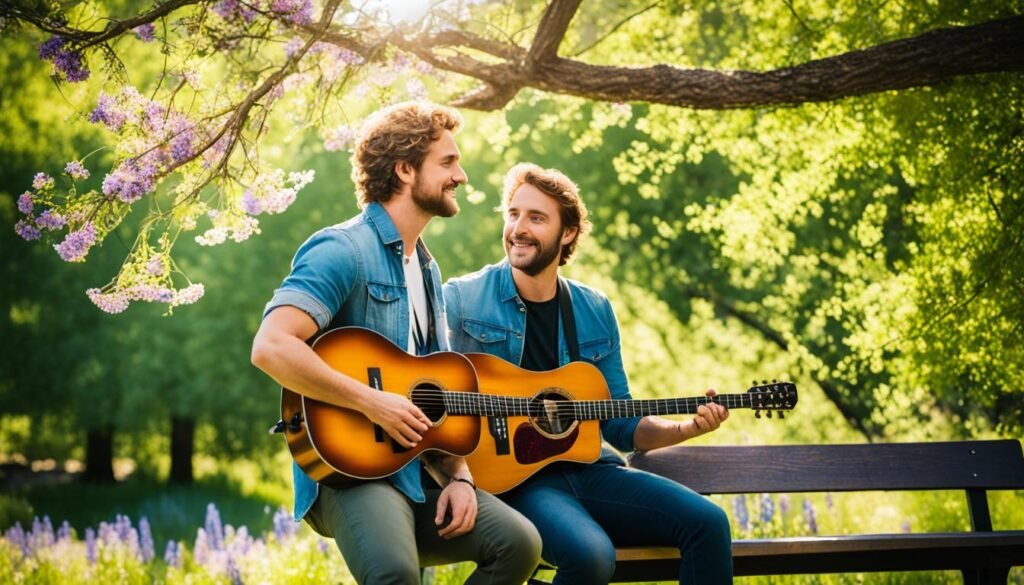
774, 381
757, 414
769, 413
782, 414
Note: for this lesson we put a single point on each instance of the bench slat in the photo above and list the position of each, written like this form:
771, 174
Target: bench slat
838, 554
996, 464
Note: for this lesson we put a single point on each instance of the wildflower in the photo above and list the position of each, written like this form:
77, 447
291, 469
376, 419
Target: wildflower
50, 220
172, 554
234, 573
108, 113
49, 48
214, 528
16, 536
284, 525
201, 548
146, 546
322, 545
77, 243
90, 545
76, 170
156, 266
130, 181
291, 48
742, 514
810, 516
767, 508
42, 181
25, 203
66, 61
144, 32
64, 533
298, 11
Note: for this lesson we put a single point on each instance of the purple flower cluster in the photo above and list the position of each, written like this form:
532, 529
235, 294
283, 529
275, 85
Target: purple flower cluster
77, 243
112, 303
810, 516
108, 113
767, 508
172, 554
285, 525
233, 9
42, 181
25, 203
144, 32
31, 226
297, 11
339, 138
130, 180
742, 514
66, 61
76, 170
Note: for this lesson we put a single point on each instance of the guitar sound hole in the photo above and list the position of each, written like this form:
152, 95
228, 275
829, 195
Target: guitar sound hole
552, 413
428, 398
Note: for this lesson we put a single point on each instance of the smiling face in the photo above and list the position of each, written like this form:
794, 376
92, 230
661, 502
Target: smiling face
533, 234
433, 189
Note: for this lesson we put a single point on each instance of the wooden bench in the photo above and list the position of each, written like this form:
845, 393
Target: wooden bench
982, 555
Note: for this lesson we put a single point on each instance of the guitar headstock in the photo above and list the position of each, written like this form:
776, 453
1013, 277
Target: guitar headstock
774, 396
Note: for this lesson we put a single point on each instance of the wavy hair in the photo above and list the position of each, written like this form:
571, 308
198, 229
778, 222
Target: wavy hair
554, 183
402, 132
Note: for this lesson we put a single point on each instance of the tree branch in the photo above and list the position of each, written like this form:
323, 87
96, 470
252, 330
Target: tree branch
551, 31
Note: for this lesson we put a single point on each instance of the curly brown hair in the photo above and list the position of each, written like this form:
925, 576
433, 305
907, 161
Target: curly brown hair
553, 182
403, 131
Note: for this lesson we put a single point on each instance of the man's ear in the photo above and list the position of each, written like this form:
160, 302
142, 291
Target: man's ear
405, 171
568, 234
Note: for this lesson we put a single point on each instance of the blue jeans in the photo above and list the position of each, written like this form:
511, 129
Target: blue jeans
584, 511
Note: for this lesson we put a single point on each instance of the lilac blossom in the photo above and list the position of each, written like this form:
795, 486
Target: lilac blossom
76, 170
27, 231
189, 294
107, 112
339, 138
42, 181
113, 303
298, 11
25, 203
72, 65
156, 266
130, 181
144, 32
291, 48
77, 243
49, 48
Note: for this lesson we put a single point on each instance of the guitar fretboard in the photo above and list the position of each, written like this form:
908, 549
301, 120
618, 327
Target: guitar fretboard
470, 403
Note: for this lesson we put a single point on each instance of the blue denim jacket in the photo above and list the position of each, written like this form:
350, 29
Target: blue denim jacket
351, 274
485, 314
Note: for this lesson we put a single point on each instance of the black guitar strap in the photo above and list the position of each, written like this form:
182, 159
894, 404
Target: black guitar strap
568, 320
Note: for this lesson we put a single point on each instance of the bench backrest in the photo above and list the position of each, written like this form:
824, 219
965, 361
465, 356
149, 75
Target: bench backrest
971, 465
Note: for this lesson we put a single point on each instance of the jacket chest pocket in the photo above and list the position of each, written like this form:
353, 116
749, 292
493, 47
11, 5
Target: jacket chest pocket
593, 350
483, 337
383, 309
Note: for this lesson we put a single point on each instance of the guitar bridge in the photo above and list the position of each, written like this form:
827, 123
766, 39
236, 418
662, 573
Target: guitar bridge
498, 427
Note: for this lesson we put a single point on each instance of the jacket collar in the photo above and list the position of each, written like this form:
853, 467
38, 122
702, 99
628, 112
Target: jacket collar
388, 233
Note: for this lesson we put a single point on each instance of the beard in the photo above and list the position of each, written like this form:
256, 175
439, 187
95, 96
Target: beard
438, 203
543, 256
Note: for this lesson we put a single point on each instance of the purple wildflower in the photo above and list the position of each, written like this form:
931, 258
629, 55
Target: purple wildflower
27, 231
25, 203
284, 525
146, 545
292, 46
339, 139
72, 65
214, 528
64, 533
201, 548
144, 32
298, 11
742, 514
234, 573
16, 536
172, 554
322, 545
155, 266
50, 220
90, 545
905, 526
810, 516
76, 170
49, 48
113, 303
42, 181
76, 245
150, 293
767, 508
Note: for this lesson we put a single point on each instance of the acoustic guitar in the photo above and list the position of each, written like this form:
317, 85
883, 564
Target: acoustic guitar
532, 418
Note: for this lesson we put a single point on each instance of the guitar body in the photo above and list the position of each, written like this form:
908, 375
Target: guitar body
512, 448
333, 444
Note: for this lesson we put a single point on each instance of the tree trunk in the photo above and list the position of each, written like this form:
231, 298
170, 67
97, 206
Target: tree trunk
99, 455
183, 432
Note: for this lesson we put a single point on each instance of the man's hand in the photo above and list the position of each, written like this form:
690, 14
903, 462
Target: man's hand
399, 417
709, 417
457, 502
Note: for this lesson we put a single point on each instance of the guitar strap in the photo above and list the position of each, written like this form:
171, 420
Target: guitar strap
568, 320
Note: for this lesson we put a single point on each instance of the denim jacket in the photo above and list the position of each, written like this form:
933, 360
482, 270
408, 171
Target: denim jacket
486, 315
352, 274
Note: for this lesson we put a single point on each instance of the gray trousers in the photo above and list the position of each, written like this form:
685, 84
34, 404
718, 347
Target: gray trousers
385, 538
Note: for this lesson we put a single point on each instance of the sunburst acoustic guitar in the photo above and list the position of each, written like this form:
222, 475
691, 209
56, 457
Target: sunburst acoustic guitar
508, 422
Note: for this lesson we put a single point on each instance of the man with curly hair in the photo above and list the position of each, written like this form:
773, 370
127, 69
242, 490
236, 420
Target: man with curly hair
374, 271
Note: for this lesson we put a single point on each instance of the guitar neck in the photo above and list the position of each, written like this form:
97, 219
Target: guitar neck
468, 403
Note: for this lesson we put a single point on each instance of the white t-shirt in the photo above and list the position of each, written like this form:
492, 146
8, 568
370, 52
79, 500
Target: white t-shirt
418, 311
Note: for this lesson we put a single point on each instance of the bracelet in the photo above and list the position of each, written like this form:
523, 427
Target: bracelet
463, 480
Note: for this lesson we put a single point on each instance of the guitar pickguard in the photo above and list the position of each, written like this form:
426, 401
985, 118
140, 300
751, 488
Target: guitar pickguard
533, 447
